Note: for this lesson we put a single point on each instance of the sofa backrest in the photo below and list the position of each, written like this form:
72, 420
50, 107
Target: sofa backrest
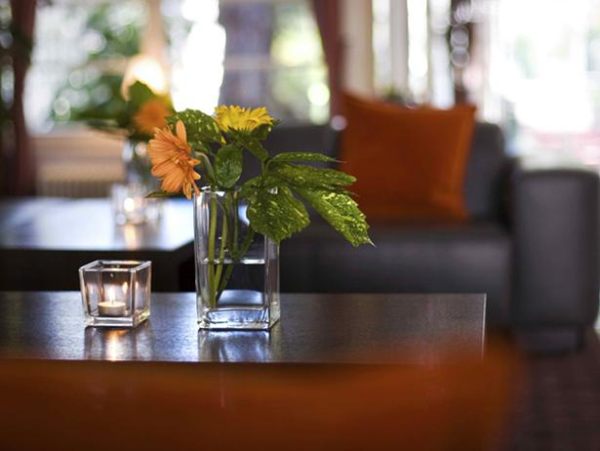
486, 168
303, 138
486, 172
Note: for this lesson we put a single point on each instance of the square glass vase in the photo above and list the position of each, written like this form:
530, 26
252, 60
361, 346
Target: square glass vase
237, 270
115, 293
131, 206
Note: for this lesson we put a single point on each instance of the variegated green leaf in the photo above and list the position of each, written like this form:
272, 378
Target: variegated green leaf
276, 213
341, 212
200, 127
308, 176
287, 157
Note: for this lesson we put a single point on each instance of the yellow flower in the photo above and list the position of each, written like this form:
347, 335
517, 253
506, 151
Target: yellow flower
242, 119
172, 161
152, 114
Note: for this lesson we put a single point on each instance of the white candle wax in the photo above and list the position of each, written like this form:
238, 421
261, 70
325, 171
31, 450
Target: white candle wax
113, 304
111, 308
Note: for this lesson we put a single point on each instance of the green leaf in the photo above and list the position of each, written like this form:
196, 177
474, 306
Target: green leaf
262, 132
200, 127
140, 93
311, 177
341, 212
257, 149
228, 165
250, 188
276, 213
286, 157
159, 195
249, 142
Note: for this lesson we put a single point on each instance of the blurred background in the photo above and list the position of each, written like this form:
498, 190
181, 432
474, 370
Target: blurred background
531, 66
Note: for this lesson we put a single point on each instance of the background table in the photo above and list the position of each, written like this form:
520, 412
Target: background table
43, 242
314, 328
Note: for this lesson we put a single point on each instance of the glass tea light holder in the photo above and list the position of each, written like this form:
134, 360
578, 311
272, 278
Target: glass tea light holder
131, 206
115, 293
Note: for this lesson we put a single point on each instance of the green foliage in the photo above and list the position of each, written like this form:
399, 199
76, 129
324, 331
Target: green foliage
159, 195
341, 212
276, 213
251, 143
103, 102
257, 149
228, 165
89, 95
260, 133
289, 157
140, 93
308, 176
201, 128
276, 198
120, 38
323, 189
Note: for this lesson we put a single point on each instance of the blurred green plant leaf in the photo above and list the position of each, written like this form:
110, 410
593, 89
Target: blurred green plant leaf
139, 93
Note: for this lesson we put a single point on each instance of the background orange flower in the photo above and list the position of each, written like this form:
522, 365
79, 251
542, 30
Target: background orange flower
152, 114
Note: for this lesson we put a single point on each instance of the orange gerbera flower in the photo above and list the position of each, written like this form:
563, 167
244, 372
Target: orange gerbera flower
152, 114
172, 161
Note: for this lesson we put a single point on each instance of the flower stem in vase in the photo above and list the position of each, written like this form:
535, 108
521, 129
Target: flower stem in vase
212, 236
236, 257
221, 258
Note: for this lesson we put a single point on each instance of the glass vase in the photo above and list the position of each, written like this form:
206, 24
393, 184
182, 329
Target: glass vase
237, 270
130, 204
137, 165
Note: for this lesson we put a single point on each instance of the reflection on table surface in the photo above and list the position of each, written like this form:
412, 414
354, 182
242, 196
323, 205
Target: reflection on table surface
81, 224
421, 329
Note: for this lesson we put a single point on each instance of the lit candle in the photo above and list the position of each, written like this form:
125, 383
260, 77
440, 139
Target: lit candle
129, 205
114, 302
133, 207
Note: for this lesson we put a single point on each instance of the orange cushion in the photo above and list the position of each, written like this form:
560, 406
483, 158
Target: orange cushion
410, 163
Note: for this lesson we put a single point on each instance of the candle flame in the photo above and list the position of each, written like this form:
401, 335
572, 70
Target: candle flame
129, 205
110, 295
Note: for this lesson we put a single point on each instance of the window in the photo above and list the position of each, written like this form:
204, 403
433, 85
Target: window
228, 51
411, 58
79, 66
543, 76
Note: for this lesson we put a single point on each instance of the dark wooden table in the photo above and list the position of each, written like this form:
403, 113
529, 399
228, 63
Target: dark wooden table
314, 328
43, 242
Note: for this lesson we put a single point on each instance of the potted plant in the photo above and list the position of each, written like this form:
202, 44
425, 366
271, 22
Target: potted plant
238, 227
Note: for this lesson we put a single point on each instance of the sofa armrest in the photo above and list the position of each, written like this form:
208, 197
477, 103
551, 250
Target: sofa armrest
555, 221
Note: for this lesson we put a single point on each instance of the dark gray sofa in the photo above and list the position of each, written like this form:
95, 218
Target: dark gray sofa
531, 245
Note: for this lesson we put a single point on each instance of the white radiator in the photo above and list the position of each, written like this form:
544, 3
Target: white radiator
77, 164
77, 181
